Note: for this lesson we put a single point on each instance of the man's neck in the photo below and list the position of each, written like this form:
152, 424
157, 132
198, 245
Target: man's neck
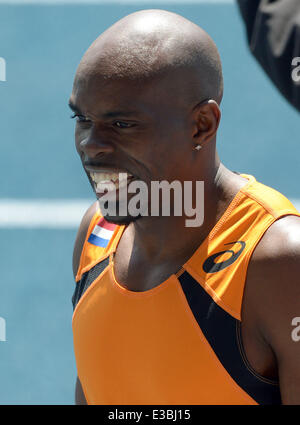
151, 235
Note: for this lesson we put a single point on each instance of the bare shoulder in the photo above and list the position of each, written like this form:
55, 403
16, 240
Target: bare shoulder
273, 275
272, 295
81, 234
281, 240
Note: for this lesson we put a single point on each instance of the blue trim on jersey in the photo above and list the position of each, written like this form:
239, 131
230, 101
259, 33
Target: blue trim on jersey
96, 240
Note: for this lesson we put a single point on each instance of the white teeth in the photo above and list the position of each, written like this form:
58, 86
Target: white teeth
119, 180
105, 186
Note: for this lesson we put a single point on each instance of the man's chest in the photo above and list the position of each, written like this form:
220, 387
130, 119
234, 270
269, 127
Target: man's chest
136, 273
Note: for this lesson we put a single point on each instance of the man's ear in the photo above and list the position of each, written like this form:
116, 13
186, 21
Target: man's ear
206, 118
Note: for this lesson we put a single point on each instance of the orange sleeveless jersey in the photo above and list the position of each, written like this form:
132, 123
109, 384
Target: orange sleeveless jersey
180, 342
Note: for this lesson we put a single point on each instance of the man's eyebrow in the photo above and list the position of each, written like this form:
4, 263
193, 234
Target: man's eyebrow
106, 115
116, 114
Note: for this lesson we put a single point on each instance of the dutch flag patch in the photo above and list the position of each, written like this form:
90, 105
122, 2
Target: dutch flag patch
102, 233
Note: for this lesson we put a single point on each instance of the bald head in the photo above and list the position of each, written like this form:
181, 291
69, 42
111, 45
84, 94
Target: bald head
152, 44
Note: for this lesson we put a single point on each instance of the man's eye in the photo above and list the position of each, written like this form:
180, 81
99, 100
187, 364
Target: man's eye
121, 124
80, 118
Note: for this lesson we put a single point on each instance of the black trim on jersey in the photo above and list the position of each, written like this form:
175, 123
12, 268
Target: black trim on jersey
221, 331
87, 279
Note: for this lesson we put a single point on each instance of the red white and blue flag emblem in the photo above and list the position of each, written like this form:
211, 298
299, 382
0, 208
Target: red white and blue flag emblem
102, 233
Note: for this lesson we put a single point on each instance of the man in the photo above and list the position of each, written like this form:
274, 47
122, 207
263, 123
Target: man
167, 313
273, 33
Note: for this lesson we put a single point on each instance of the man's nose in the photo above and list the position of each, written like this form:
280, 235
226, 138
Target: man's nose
94, 145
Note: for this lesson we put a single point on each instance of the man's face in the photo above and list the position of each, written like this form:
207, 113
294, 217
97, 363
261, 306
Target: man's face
125, 126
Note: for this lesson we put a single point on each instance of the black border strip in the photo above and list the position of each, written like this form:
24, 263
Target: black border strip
87, 279
220, 330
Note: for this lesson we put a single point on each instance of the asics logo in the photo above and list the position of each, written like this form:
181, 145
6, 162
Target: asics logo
210, 266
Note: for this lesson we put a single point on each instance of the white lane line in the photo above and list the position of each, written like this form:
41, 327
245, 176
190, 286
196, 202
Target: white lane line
49, 214
107, 2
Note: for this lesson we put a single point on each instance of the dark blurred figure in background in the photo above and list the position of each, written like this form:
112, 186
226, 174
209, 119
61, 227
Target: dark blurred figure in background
273, 31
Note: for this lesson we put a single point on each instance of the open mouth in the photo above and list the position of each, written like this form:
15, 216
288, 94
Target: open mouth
110, 181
